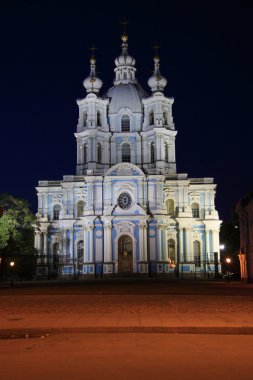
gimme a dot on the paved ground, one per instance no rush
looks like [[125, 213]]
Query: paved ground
[[127, 306], [127, 329], [127, 357]]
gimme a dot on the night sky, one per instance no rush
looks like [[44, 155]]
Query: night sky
[[206, 56]]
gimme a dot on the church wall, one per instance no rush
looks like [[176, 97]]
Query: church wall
[[151, 183]]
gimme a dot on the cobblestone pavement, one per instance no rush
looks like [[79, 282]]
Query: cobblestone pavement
[[126, 304]]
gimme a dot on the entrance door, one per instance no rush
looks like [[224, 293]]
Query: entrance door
[[125, 254]]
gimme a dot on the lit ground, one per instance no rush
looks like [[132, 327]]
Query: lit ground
[[127, 329]]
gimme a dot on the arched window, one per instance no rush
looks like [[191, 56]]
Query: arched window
[[99, 153], [84, 119], [196, 253], [195, 210], [170, 207], [166, 153], [151, 118], [165, 119], [172, 251], [84, 153], [56, 212], [99, 119], [80, 208], [80, 251], [125, 123], [152, 153], [126, 153]]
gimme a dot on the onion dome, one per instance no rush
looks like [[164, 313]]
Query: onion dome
[[124, 70], [157, 82], [124, 59], [92, 83]]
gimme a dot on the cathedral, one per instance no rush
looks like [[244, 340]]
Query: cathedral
[[126, 210]]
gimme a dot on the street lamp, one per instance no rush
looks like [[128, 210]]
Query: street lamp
[[12, 264], [228, 261]]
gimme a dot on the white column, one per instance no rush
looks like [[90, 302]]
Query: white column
[[181, 244], [108, 243], [91, 230], [78, 153], [216, 242], [159, 233], [158, 148], [45, 243], [208, 253], [113, 152], [144, 150], [64, 242], [141, 228], [187, 238], [71, 242], [40, 203], [85, 243], [90, 192], [38, 242], [166, 244], [144, 243]]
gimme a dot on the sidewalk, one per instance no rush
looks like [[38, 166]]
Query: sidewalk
[[34, 312]]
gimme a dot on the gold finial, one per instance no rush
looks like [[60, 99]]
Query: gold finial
[[124, 36]]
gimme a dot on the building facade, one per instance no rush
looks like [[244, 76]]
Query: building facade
[[126, 210], [244, 210]]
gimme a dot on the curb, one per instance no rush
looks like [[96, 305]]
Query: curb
[[22, 333]]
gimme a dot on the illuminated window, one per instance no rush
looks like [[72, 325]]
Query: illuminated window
[[195, 210], [126, 153], [56, 212], [125, 123], [170, 207], [80, 208], [99, 153], [172, 251], [152, 153], [151, 118], [196, 253]]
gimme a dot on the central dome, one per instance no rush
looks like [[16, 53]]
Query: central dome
[[125, 95]]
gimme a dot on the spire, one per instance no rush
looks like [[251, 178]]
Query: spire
[[92, 83], [124, 59], [157, 82], [125, 70]]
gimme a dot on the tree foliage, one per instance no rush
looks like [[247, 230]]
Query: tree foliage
[[16, 225]]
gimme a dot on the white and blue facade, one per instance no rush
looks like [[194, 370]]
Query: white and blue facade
[[126, 210]]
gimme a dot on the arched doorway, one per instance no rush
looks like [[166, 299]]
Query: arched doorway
[[125, 254], [56, 252]]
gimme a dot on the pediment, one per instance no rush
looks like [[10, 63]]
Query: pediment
[[125, 169]]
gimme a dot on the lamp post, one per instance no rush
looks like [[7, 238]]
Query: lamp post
[[12, 264], [228, 261]]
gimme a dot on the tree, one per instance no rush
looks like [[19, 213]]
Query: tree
[[230, 237], [17, 224]]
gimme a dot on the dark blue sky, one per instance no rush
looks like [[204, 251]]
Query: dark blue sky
[[206, 55]]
